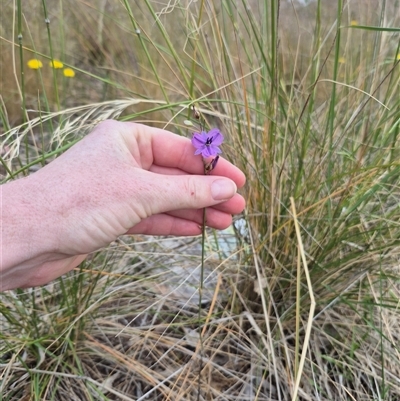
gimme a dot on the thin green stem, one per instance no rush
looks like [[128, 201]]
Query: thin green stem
[[47, 20], [21, 57], [333, 102], [194, 57], [201, 284], [145, 49]]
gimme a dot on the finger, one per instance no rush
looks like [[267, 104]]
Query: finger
[[171, 150], [160, 194], [168, 224], [176, 171], [163, 224], [214, 218], [234, 205], [215, 215]]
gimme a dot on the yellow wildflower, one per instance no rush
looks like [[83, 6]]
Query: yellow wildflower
[[353, 22], [35, 64], [342, 60], [398, 56], [69, 72], [56, 64]]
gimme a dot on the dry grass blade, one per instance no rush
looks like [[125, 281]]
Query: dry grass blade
[[312, 302]]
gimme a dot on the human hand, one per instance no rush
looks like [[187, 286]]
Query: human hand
[[123, 178]]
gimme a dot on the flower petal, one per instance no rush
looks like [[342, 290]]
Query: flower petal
[[199, 139], [206, 152], [217, 137], [215, 150], [210, 151]]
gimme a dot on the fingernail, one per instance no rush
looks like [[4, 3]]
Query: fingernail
[[223, 189]]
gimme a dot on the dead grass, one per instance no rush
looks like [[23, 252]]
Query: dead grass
[[125, 326]]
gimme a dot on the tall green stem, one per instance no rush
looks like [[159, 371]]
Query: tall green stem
[[203, 255], [47, 20]]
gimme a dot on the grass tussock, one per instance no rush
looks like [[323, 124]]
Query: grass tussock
[[301, 297]]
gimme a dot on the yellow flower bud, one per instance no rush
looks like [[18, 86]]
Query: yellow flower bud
[[69, 72], [35, 64], [56, 64]]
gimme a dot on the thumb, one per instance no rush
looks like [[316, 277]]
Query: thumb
[[177, 192]]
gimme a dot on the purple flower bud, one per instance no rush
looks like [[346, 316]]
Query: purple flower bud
[[214, 162]]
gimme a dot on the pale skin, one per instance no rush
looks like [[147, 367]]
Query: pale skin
[[122, 178]]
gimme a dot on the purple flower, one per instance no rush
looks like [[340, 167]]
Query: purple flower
[[207, 143]]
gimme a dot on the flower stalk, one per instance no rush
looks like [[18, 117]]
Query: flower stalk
[[207, 145]]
